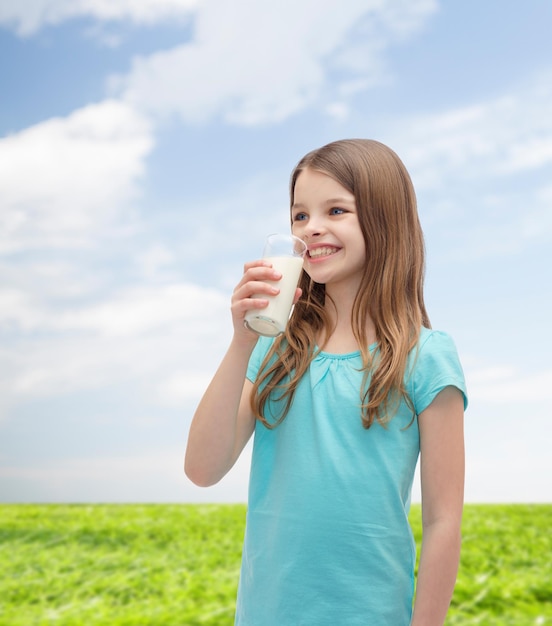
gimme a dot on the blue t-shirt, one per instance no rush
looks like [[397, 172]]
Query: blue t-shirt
[[327, 538]]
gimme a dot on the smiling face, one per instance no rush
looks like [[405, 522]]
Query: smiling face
[[324, 215]]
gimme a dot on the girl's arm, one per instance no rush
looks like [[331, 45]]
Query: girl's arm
[[223, 421], [442, 474]]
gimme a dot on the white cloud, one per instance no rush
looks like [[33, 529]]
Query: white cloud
[[256, 63], [509, 135], [507, 385], [513, 472], [155, 259], [17, 308], [66, 177], [537, 222], [146, 333], [29, 16], [141, 310], [470, 167], [156, 476], [183, 385]]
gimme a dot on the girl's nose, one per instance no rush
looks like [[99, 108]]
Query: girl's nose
[[313, 228]]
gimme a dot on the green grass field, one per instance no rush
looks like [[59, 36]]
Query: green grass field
[[178, 565]]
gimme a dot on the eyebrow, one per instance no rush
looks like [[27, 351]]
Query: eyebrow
[[330, 201]]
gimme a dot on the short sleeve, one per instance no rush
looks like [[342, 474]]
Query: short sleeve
[[257, 356], [435, 365]]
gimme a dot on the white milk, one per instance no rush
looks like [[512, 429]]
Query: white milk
[[272, 320]]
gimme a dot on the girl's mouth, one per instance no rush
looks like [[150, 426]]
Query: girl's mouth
[[317, 253]]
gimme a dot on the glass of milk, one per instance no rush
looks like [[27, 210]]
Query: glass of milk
[[286, 253]]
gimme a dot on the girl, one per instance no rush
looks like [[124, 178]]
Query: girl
[[341, 405]]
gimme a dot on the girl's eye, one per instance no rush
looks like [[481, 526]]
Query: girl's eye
[[299, 217], [337, 211]]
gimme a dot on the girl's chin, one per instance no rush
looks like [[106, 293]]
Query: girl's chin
[[314, 279], [317, 277]]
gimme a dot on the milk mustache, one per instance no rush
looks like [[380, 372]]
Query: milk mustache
[[272, 320]]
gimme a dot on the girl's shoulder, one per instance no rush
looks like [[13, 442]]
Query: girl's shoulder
[[433, 364], [432, 341], [426, 333], [261, 349]]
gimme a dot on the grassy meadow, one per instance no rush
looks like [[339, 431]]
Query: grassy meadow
[[178, 565]]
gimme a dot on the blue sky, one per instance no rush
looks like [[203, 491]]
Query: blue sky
[[145, 150]]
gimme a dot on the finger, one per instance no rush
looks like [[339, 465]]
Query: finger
[[258, 275], [298, 294], [241, 307], [254, 290], [262, 272], [256, 263]]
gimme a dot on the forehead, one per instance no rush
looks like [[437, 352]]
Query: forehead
[[313, 184]]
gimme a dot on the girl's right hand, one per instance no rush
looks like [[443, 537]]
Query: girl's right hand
[[253, 283]]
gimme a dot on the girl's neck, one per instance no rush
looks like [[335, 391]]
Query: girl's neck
[[341, 339], [341, 299]]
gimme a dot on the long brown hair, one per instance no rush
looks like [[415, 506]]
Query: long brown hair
[[391, 289]]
